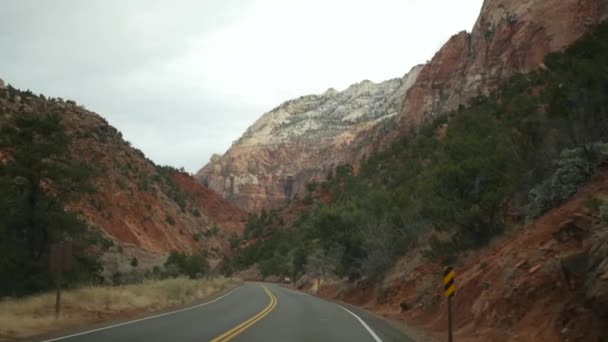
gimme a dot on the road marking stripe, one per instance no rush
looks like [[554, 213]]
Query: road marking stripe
[[245, 327], [142, 319], [230, 334], [248, 323], [371, 332]]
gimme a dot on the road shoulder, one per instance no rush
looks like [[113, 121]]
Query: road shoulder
[[129, 317], [390, 330]]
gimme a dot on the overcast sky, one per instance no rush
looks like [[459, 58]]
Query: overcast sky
[[183, 79]]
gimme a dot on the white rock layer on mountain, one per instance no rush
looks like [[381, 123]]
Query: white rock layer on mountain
[[299, 141]]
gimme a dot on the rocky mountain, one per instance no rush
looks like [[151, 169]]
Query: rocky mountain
[[146, 210], [510, 36], [299, 141], [511, 191], [303, 139]]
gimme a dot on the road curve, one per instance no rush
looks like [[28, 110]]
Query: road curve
[[252, 312]]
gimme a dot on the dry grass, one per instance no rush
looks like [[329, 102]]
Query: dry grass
[[34, 315]]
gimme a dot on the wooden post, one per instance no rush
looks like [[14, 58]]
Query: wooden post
[[450, 338], [61, 256], [58, 281]]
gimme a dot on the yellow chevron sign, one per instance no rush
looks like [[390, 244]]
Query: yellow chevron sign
[[448, 282]]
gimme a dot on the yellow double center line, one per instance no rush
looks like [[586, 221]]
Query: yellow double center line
[[232, 333]]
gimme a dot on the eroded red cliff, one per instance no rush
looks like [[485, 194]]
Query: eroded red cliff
[[509, 37]]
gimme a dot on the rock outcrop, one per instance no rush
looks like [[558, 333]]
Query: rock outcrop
[[299, 141], [510, 36]]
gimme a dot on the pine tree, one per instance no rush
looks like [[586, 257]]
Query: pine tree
[[37, 180]]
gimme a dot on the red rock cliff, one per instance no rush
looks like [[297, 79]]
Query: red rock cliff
[[299, 141], [284, 146], [510, 36]]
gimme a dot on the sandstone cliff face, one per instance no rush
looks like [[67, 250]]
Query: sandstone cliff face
[[299, 141], [145, 209], [302, 139], [510, 36]]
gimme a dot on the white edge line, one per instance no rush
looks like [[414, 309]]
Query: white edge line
[[142, 319], [369, 330]]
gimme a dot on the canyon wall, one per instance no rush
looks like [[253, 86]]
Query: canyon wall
[[299, 141], [509, 37], [303, 139]]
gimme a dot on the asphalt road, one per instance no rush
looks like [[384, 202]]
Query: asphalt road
[[252, 312]]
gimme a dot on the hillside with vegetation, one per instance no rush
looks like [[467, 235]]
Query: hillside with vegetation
[[67, 175], [464, 180]]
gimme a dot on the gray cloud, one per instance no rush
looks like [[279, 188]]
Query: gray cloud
[[183, 79]]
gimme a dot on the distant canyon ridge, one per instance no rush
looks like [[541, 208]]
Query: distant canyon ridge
[[303, 139], [300, 141]]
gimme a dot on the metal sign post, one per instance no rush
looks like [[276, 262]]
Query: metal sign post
[[61, 257], [448, 290]]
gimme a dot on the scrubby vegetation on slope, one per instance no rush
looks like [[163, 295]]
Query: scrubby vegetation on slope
[[66, 174], [461, 179]]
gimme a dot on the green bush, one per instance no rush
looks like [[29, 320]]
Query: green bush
[[193, 266], [277, 265], [213, 231], [170, 220], [447, 250], [312, 186], [234, 240], [573, 168], [592, 203], [604, 213]]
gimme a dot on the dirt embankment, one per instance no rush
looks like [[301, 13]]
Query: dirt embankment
[[546, 281]]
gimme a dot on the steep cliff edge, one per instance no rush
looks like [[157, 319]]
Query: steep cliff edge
[[509, 37], [299, 141]]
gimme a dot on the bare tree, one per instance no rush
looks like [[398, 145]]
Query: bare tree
[[322, 262], [384, 242]]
